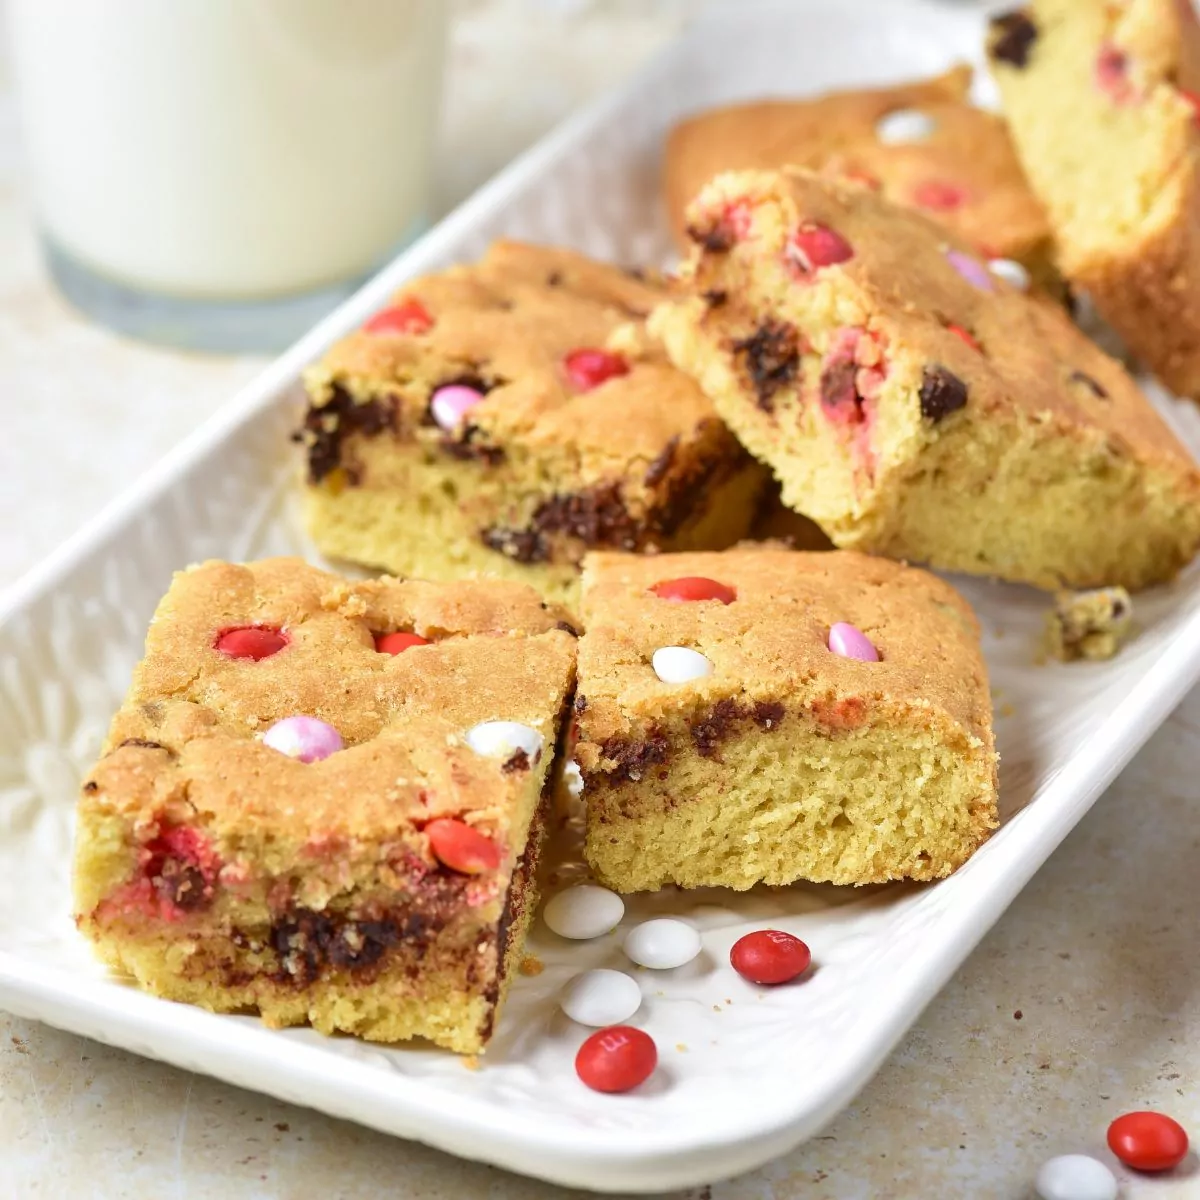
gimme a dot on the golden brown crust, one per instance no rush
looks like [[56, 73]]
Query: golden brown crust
[[836, 134]]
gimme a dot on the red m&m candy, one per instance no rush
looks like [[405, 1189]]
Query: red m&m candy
[[939, 196], [616, 1059], [694, 587], [769, 956], [587, 369], [251, 641], [960, 332], [408, 316], [457, 845], [1148, 1141], [814, 246], [397, 643]]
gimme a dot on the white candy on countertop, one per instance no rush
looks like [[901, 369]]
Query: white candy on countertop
[[601, 998], [662, 943], [904, 125], [502, 739], [679, 664], [582, 912], [1076, 1177]]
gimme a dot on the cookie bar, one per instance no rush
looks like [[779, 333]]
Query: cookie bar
[[768, 715], [323, 800], [501, 418], [920, 144], [1102, 100], [918, 406]]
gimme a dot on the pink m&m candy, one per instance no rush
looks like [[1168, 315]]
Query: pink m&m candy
[[451, 403], [848, 641], [814, 246], [973, 271], [305, 738]]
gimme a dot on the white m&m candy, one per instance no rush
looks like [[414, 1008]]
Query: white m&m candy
[[502, 739], [904, 125], [601, 998], [1076, 1177], [583, 912], [679, 664], [662, 943]]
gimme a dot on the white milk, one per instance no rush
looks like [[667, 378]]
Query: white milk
[[228, 149]]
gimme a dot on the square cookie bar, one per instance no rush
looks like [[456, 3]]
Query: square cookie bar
[[502, 418], [918, 406], [1102, 101], [921, 144], [323, 800], [766, 715]]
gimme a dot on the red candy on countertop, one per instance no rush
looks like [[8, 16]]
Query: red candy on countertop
[[251, 641], [769, 956], [408, 316], [616, 1059], [589, 368], [694, 587], [1148, 1141], [458, 846], [814, 246], [397, 643]]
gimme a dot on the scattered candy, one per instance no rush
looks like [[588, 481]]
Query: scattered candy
[[941, 197], [1010, 271], [601, 998], [814, 246], [253, 641], [965, 336], [769, 956], [616, 1059], [679, 664], [662, 943], [587, 369], [305, 738], [1076, 1177], [583, 912], [408, 316], [502, 739], [458, 846], [694, 587], [448, 405], [851, 642], [1148, 1141], [972, 270], [397, 643], [904, 125]]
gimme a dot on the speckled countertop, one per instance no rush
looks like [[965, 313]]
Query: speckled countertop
[[1082, 1003]]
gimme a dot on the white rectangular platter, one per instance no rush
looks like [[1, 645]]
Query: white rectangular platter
[[761, 1070]]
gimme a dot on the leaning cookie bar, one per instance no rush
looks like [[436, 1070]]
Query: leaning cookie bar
[[916, 405], [323, 800], [502, 418], [1102, 100], [732, 731], [921, 144]]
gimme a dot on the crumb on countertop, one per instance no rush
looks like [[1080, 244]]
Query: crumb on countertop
[[531, 965], [1088, 625]]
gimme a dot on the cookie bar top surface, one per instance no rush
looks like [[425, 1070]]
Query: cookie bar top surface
[[769, 646], [952, 160], [506, 325], [970, 340], [189, 731], [1101, 99]]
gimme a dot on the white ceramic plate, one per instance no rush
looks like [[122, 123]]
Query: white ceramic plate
[[746, 1074]]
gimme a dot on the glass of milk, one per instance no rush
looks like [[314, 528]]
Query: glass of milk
[[219, 173]]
